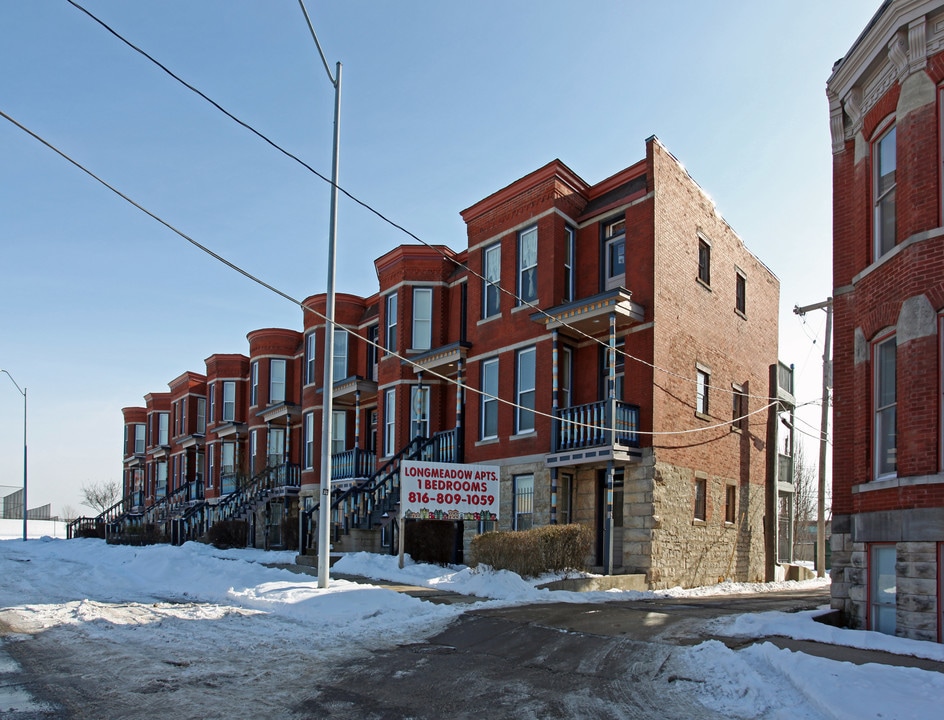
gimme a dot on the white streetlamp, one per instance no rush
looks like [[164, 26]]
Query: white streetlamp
[[22, 392]]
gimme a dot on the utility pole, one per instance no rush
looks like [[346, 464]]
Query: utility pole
[[826, 305]]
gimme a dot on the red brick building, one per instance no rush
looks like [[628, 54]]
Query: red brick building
[[886, 97], [607, 345]]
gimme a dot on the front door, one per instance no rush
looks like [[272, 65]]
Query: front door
[[274, 525], [617, 518]]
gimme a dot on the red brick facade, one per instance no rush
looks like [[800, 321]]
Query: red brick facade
[[554, 271], [888, 488]]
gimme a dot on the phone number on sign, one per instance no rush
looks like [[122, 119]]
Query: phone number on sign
[[451, 499]]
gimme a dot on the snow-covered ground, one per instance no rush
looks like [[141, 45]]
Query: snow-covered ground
[[190, 608]]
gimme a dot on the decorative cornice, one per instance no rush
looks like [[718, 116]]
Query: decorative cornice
[[917, 45], [898, 53]]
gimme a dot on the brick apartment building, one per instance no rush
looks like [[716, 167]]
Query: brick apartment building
[[609, 346], [886, 98]]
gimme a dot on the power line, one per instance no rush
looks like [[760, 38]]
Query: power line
[[305, 308], [384, 218]]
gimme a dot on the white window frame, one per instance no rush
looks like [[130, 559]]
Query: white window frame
[[525, 389], [253, 450], [228, 453], [277, 375], [338, 431], [229, 401], [163, 421], [489, 405], [702, 386], [160, 479], [885, 409], [528, 265], [422, 318], [390, 326], [310, 369], [201, 416], [614, 246], [883, 598], [881, 245], [390, 421], [339, 358], [140, 435], [275, 447], [309, 440], [491, 284], [254, 386], [212, 402]]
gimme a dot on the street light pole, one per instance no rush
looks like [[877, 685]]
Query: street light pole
[[327, 413], [22, 392]]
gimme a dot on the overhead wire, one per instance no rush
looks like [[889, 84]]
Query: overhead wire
[[307, 308], [397, 226]]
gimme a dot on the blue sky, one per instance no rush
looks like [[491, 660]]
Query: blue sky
[[443, 103]]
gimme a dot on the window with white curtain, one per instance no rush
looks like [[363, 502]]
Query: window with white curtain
[[528, 265]]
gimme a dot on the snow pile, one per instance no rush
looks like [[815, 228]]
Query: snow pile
[[216, 617]]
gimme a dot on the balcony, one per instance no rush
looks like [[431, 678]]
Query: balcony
[[595, 432]]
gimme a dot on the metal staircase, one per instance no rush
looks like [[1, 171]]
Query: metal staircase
[[374, 502]]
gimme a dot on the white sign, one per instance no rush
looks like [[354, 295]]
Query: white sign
[[448, 491]]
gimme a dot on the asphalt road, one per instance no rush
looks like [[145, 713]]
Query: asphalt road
[[560, 660]]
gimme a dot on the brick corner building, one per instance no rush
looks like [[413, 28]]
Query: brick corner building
[[607, 346], [886, 98]]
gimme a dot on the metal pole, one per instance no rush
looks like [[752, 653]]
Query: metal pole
[[324, 509]]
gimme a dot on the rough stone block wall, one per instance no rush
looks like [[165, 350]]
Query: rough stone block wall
[[691, 552], [917, 591]]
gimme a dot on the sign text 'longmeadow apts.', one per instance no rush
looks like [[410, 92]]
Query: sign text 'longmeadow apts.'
[[448, 491]]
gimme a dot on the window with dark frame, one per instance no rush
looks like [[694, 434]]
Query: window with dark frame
[[570, 236], [701, 498], [704, 261], [884, 160], [491, 294], [730, 504], [739, 408], [740, 293]]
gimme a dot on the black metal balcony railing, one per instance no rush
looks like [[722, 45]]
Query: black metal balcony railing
[[354, 463], [590, 425], [443, 447]]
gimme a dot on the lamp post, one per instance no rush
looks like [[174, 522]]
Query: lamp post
[[22, 392], [324, 509]]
